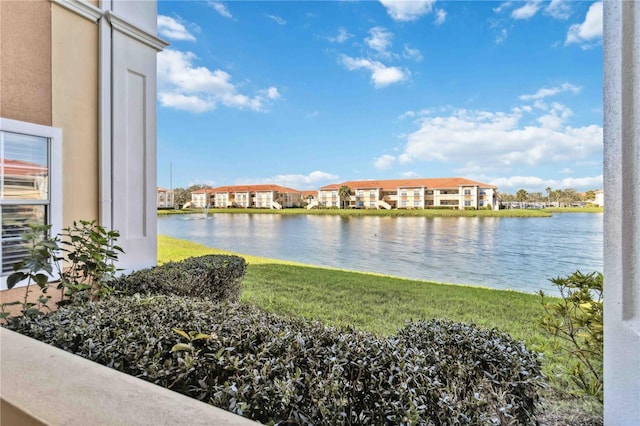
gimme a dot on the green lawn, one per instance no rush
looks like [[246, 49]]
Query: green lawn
[[372, 212], [376, 303], [381, 304], [589, 209]]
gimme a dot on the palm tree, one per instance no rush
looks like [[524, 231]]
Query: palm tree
[[344, 193], [548, 189], [522, 195]]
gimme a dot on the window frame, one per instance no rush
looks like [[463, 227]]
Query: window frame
[[54, 135]]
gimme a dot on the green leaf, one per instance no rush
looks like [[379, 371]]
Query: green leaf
[[15, 278], [181, 347], [200, 336], [182, 333]]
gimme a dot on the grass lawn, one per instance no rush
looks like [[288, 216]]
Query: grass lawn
[[381, 304], [372, 212], [376, 303], [589, 209]]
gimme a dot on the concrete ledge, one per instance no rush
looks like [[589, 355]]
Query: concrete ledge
[[41, 384]]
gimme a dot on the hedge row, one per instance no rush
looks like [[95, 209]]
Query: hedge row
[[293, 371], [215, 277]]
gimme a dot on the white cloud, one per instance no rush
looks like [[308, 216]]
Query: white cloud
[[185, 102], [566, 170], [182, 85], [502, 7], [502, 36], [343, 35], [411, 114], [312, 114], [527, 11], [441, 16], [502, 140], [221, 8], [381, 75], [558, 9], [278, 20], [410, 53], [551, 91], [379, 40], [384, 162], [313, 180], [408, 10], [409, 174], [587, 34], [172, 29]]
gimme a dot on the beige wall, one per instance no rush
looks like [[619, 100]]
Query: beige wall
[[74, 73], [25, 61]]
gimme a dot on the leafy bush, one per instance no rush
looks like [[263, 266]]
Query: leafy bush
[[293, 371], [217, 277], [577, 319], [91, 253], [83, 256]]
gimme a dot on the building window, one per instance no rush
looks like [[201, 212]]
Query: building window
[[429, 202], [430, 192], [372, 204], [30, 186], [467, 192], [403, 192], [416, 203], [467, 203], [403, 203], [416, 192], [360, 192], [481, 203]]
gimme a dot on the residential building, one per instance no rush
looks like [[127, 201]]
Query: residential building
[[78, 122], [419, 193], [267, 196], [599, 199], [201, 198], [165, 198]]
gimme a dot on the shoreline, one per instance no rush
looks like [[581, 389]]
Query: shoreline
[[187, 248], [366, 212]]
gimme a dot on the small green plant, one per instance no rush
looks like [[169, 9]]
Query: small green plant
[[83, 256], [577, 319], [89, 252], [36, 268]]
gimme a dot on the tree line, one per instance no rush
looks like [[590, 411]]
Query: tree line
[[557, 196]]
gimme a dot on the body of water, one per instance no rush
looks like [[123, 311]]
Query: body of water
[[505, 253]]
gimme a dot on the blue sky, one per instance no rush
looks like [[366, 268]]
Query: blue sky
[[307, 93]]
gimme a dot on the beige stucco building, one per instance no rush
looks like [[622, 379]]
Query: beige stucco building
[[78, 121], [267, 196], [427, 193], [165, 198]]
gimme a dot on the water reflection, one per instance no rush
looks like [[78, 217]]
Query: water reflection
[[513, 253]]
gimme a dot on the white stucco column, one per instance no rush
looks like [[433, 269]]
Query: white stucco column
[[622, 212]]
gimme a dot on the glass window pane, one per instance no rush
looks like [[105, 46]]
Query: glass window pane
[[15, 221], [24, 167]]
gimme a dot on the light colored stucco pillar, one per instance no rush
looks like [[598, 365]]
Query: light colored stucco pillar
[[622, 212]]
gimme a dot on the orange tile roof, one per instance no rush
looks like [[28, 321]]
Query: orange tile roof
[[391, 184], [252, 188], [23, 168]]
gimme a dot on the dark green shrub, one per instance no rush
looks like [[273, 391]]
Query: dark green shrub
[[293, 371], [216, 277]]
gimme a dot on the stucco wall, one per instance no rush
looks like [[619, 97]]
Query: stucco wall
[[74, 73], [25, 61]]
